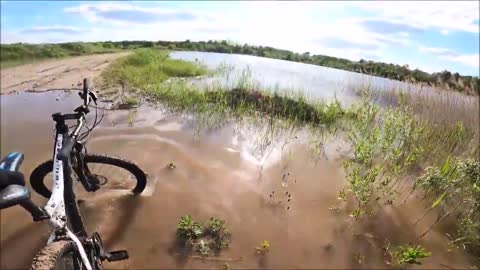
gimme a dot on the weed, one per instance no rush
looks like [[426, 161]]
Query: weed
[[131, 115], [409, 255], [131, 101], [221, 236], [189, 231], [203, 248], [263, 248], [359, 258], [171, 165], [456, 185], [385, 144], [204, 239]]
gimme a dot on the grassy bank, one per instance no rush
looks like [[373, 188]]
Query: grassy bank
[[17, 54], [148, 71], [147, 68], [403, 143]]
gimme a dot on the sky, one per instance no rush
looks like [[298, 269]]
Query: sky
[[431, 36]]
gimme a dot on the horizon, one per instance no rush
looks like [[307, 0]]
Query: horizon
[[432, 38]]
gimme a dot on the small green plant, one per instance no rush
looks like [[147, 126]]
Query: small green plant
[[131, 101], [171, 165], [221, 236], [409, 254], [204, 239], [263, 248], [131, 115], [359, 258], [188, 230]]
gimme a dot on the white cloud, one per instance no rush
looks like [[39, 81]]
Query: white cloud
[[443, 15], [352, 30], [470, 60], [59, 29], [11, 37], [438, 51], [125, 13]]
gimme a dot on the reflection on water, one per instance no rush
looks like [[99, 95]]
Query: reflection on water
[[289, 200], [316, 81]]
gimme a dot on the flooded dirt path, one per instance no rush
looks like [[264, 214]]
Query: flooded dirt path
[[56, 73], [291, 200]]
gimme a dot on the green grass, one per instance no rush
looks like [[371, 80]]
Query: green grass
[[131, 101], [146, 68], [393, 144], [19, 54], [410, 255]]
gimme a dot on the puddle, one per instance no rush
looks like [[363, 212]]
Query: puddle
[[262, 197]]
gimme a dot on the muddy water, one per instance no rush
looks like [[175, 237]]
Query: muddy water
[[214, 176]]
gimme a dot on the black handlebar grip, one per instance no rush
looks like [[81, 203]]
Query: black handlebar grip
[[67, 147], [85, 85]]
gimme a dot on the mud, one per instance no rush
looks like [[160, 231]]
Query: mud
[[289, 200], [55, 74]]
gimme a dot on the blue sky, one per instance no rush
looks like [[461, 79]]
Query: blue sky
[[432, 36]]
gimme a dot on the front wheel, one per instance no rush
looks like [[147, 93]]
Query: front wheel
[[102, 167], [59, 255]]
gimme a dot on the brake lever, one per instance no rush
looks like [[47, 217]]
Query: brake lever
[[93, 96]]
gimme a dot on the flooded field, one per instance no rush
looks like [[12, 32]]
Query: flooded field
[[289, 200]]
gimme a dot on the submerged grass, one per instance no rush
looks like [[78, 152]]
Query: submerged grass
[[402, 142]]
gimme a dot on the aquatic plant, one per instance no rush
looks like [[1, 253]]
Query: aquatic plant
[[263, 248], [214, 236], [409, 254], [188, 231]]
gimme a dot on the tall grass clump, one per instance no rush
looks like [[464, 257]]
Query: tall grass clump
[[385, 146], [147, 68], [400, 150], [453, 120]]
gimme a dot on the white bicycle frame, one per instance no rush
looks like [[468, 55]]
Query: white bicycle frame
[[56, 204]]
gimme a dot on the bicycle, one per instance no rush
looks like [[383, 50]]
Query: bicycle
[[69, 246]]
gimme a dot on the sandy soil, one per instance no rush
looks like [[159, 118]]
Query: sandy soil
[[55, 74]]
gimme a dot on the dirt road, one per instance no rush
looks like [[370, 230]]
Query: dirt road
[[55, 74]]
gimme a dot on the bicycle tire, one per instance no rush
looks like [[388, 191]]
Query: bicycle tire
[[53, 256], [37, 176]]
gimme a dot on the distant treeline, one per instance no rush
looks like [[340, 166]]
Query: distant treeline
[[445, 79]]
